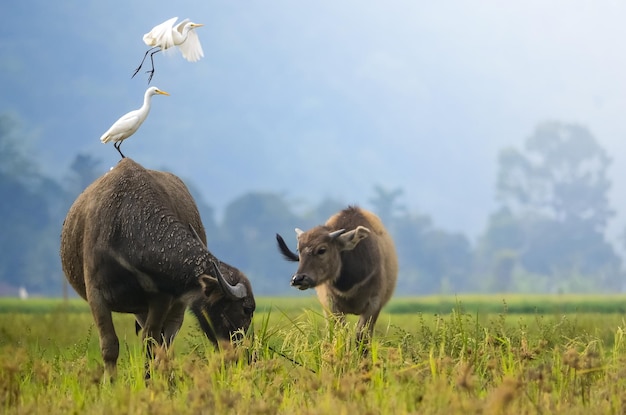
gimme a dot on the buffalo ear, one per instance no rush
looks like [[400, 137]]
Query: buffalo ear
[[210, 286], [351, 239]]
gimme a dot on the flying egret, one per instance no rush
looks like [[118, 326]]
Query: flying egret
[[130, 122], [166, 36]]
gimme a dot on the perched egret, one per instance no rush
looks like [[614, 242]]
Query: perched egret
[[166, 36], [130, 122]]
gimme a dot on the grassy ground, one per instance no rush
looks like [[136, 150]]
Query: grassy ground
[[492, 304], [482, 355]]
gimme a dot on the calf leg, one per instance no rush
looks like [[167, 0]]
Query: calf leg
[[329, 306], [335, 318], [365, 329]]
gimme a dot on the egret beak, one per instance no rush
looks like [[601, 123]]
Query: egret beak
[[197, 24], [158, 91]]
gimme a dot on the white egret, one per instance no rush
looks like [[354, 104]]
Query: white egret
[[130, 122], [165, 36]]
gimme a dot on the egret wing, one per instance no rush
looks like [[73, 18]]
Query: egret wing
[[161, 35], [179, 26], [191, 48], [122, 128]]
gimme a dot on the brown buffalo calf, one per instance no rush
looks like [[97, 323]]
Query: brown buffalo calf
[[351, 262]]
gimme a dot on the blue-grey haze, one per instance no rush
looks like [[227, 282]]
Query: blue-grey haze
[[322, 99]]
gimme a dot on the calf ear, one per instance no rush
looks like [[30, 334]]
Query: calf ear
[[351, 239]]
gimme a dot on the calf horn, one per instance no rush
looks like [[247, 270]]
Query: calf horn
[[236, 291], [334, 234]]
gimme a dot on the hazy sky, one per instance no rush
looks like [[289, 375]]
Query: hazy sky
[[324, 98]]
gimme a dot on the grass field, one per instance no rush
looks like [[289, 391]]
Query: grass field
[[465, 354]]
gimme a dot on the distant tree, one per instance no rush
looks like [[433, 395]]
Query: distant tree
[[43, 268], [84, 170], [386, 204], [207, 214], [555, 209], [248, 239], [29, 207], [497, 251], [13, 159], [24, 214], [561, 174], [503, 268], [319, 214], [505, 231], [431, 260]]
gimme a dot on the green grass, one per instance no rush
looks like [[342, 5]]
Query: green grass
[[472, 303], [465, 354]]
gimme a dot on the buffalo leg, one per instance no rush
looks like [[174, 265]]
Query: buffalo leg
[[109, 343], [171, 326], [153, 329], [140, 322], [173, 322]]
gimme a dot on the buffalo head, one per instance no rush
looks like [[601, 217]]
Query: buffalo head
[[227, 306]]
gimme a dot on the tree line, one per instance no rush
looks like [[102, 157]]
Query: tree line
[[548, 233]]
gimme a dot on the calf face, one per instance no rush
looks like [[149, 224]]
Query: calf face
[[320, 254]]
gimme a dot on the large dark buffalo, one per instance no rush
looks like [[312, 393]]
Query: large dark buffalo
[[129, 245], [351, 262]]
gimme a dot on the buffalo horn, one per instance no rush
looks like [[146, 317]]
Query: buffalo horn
[[236, 291]]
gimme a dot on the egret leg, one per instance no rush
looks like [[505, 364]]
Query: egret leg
[[151, 72], [142, 61], [117, 147], [141, 64]]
